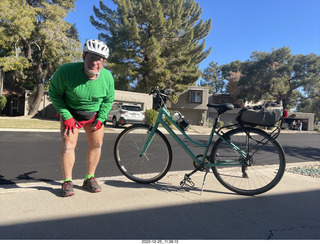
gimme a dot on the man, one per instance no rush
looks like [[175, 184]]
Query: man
[[82, 93]]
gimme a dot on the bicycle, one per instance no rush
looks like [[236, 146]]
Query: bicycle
[[245, 160]]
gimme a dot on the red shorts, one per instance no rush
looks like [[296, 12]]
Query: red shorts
[[82, 123]]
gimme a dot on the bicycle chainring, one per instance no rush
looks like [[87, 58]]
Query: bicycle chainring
[[202, 168]]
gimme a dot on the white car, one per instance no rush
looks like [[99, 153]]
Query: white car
[[317, 125], [121, 114]]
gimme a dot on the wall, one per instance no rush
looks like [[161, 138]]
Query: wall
[[143, 99], [45, 110]]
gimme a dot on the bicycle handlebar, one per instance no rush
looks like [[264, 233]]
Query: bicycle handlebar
[[164, 92], [161, 95]]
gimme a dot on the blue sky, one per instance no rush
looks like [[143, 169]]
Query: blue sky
[[239, 27]]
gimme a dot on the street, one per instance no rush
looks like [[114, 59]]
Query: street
[[34, 156]]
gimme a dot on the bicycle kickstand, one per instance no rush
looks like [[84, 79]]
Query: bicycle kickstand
[[204, 179]]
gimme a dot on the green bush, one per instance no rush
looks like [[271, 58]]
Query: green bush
[[167, 120], [230, 125], [3, 102], [220, 124], [150, 116]]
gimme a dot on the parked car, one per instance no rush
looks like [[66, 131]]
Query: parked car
[[121, 114], [317, 124]]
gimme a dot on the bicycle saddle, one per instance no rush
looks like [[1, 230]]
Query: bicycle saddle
[[221, 108]]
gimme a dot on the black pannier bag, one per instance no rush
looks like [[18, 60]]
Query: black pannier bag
[[266, 115]]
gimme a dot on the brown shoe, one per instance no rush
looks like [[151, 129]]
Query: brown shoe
[[91, 185]]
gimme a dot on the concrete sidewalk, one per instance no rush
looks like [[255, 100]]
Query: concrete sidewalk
[[161, 211]]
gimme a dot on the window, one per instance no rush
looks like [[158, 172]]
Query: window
[[14, 106], [195, 97], [131, 108]]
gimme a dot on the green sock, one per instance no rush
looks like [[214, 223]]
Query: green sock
[[88, 177], [67, 180]]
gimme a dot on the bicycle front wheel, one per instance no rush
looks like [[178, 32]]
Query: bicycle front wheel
[[260, 171], [152, 165]]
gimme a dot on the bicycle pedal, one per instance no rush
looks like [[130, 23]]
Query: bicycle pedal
[[245, 175], [187, 182]]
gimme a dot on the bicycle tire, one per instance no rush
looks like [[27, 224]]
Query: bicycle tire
[[267, 163], [152, 165]]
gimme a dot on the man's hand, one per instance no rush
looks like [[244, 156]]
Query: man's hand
[[96, 125], [69, 125]]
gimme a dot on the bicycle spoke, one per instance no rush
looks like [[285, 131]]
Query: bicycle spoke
[[152, 165], [260, 173]]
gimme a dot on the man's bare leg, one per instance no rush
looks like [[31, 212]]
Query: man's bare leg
[[95, 139], [67, 154]]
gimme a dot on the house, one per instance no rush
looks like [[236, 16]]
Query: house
[[229, 117], [307, 120], [14, 95], [136, 98], [192, 104]]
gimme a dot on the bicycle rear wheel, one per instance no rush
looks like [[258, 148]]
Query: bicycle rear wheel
[[266, 162], [152, 165]]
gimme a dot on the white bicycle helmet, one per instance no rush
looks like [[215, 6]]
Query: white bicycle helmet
[[96, 47]]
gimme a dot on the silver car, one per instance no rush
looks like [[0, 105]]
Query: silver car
[[121, 114]]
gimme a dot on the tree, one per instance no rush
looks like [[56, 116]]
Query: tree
[[310, 102], [232, 73], [276, 75], [212, 77], [153, 42], [35, 39], [3, 102]]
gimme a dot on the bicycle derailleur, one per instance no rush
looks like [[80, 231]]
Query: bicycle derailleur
[[245, 164]]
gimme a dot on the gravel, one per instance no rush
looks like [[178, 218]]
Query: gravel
[[307, 170]]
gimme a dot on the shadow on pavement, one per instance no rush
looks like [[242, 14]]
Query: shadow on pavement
[[24, 178], [286, 216], [8, 184]]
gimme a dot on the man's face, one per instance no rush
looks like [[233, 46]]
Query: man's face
[[93, 63]]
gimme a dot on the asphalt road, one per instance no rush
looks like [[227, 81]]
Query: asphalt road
[[34, 156]]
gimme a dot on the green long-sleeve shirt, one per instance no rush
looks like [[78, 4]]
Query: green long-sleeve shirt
[[69, 87]]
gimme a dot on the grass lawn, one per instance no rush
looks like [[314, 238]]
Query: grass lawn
[[28, 123]]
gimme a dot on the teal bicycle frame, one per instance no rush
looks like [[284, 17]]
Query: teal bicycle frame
[[164, 113]]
